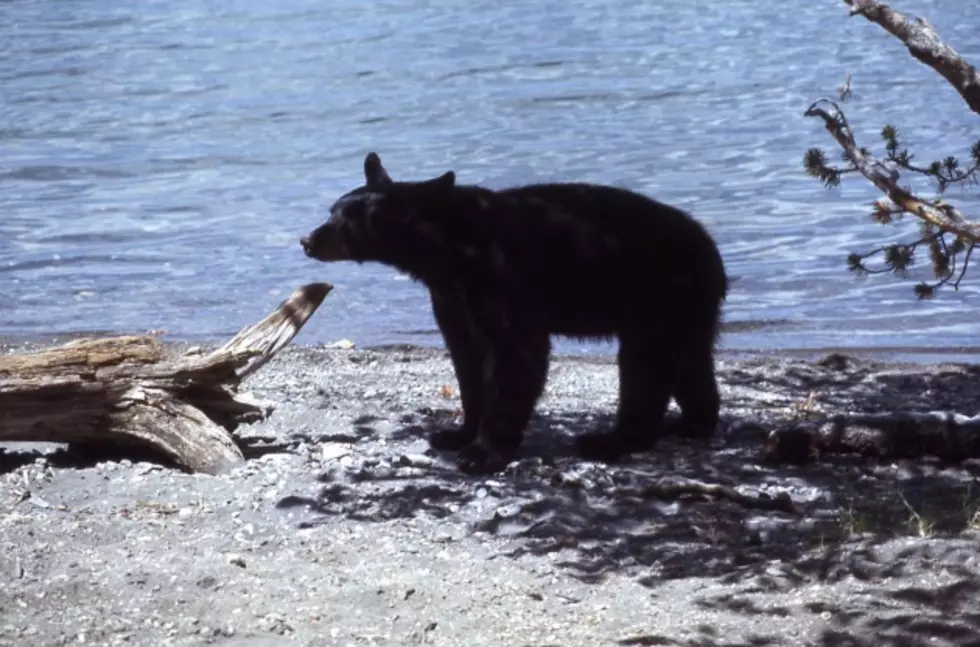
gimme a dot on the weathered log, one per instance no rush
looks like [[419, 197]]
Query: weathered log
[[948, 436], [129, 390]]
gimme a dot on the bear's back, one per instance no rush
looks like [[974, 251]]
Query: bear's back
[[610, 226], [608, 209], [592, 250]]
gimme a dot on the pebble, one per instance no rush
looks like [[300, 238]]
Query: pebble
[[333, 451], [415, 460]]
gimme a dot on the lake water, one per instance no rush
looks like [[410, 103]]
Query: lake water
[[159, 160]]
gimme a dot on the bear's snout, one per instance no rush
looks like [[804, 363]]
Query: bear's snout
[[325, 245], [313, 246]]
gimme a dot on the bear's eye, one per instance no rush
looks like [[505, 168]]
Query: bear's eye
[[357, 206], [374, 204]]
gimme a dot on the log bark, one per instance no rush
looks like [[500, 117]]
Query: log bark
[[947, 436], [130, 391], [926, 46]]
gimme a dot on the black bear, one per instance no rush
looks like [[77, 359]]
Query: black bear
[[506, 269]]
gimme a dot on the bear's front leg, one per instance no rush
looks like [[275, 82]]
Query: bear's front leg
[[466, 353], [516, 372]]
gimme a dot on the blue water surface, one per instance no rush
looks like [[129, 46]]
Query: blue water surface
[[159, 160]]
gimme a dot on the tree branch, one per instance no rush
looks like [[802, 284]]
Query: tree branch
[[944, 216], [925, 45]]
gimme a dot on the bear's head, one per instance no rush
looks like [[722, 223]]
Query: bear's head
[[396, 223]]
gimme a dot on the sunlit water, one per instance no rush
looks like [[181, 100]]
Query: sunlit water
[[159, 160]]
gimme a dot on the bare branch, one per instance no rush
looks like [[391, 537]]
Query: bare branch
[[925, 45], [844, 91], [945, 217], [966, 263]]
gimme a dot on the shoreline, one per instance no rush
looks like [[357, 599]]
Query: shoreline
[[918, 355], [341, 528]]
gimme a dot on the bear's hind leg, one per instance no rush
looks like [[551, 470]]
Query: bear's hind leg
[[467, 357], [644, 393], [516, 373], [695, 389]]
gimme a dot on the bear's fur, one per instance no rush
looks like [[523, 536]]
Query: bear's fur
[[507, 269]]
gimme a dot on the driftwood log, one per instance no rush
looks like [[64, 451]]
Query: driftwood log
[[131, 391], [948, 436]]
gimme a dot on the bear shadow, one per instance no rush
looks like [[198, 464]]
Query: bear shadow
[[595, 521]]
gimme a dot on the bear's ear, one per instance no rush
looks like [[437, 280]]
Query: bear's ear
[[374, 173], [446, 181]]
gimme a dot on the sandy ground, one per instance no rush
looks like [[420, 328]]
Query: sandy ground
[[341, 529]]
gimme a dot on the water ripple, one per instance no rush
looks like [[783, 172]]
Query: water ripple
[[159, 160]]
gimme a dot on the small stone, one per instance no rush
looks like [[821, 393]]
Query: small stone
[[509, 510], [38, 501], [415, 460], [333, 451], [207, 582]]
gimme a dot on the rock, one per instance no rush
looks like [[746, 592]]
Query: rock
[[333, 451], [414, 460]]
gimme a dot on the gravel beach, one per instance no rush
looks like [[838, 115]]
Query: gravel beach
[[343, 529]]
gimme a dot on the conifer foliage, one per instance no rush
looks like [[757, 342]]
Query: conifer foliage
[[946, 235]]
